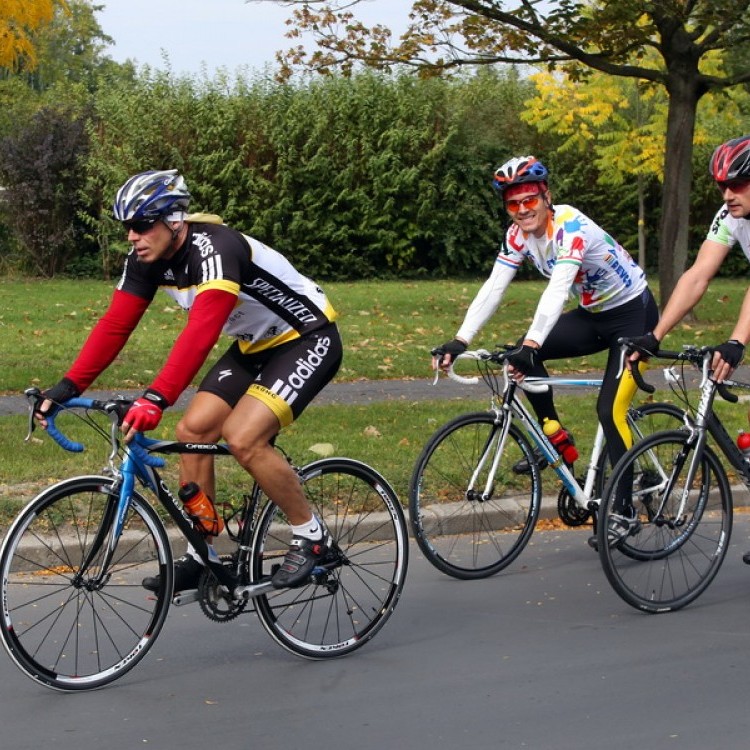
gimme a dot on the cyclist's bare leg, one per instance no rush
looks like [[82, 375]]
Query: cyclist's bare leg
[[249, 430], [201, 423]]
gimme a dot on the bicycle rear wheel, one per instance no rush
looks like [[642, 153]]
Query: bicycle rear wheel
[[72, 628], [675, 548], [354, 592], [461, 532]]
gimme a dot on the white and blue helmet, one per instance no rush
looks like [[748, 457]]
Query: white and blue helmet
[[156, 194]]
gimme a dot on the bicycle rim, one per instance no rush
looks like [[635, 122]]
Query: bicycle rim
[[676, 549], [78, 630], [466, 533], [343, 607]]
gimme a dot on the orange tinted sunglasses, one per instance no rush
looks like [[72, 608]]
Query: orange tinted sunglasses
[[514, 206]]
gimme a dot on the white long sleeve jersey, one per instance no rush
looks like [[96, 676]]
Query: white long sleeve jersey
[[577, 256]]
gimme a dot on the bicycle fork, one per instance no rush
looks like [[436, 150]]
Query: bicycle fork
[[494, 446]]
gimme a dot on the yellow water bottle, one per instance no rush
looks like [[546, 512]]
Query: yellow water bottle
[[560, 438]]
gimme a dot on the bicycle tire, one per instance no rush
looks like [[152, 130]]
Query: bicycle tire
[[460, 534], [342, 608], [75, 634], [670, 560], [647, 420]]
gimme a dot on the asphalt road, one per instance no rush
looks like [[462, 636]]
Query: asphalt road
[[543, 656], [360, 392]]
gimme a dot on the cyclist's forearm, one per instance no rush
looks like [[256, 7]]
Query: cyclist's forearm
[[686, 295], [485, 303]]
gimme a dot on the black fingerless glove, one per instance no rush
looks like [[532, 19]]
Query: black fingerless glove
[[731, 352], [60, 393], [524, 359], [453, 348], [646, 345]]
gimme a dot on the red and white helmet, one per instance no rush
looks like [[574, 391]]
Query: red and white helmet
[[731, 160]]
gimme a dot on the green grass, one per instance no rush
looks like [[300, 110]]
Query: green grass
[[388, 329]]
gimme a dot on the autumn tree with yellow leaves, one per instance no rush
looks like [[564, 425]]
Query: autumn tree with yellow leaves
[[665, 43], [619, 124], [18, 20]]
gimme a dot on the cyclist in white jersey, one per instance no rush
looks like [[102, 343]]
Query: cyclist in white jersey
[[579, 258], [730, 168], [286, 348]]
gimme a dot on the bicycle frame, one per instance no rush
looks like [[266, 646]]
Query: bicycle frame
[[510, 407], [140, 463], [707, 423]]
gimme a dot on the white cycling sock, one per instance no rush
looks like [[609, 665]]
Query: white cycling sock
[[191, 552], [309, 530]]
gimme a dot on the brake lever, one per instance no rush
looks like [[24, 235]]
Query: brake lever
[[34, 397]]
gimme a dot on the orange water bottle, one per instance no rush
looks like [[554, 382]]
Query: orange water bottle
[[199, 507], [560, 438]]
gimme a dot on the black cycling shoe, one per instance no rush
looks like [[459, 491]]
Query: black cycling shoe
[[187, 573], [523, 467], [746, 558], [619, 527], [300, 560]]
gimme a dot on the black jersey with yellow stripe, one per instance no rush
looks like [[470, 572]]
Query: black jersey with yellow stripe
[[275, 302]]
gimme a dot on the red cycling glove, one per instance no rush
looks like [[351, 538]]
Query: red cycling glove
[[145, 413]]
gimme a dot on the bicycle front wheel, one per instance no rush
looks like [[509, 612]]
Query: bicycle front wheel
[[681, 533], [464, 530], [644, 420], [66, 622], [355, 590]]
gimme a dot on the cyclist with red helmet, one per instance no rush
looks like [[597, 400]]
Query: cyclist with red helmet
[[730, 168], [286, 348], [578, 258]]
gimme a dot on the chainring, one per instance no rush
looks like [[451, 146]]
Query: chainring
[[215, 601], [571, 514]]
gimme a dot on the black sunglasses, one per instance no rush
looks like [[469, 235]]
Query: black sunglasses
[[139, 226]]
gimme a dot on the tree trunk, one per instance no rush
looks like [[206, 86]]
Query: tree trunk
[[678, 174], [641, 221]]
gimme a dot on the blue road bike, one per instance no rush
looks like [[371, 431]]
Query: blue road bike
[[75, 616]]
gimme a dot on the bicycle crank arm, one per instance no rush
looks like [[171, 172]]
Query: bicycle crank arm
[[185, 597], [253, 590]]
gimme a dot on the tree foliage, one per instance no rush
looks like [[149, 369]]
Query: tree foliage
[[18, 21], [41, 169], [350, 177], [666, 43]]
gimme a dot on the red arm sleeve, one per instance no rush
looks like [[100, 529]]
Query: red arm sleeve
[[207, 317], [107, 338]]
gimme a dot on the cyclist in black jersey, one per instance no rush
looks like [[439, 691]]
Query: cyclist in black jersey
[[286, 348]]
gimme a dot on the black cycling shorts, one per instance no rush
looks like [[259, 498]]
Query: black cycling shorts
[[286, 378]]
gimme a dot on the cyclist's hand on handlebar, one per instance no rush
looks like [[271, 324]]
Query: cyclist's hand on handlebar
[[443, 355], [523, 360], [641, 347], [145, 414], [53, 397], [726, 358]]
